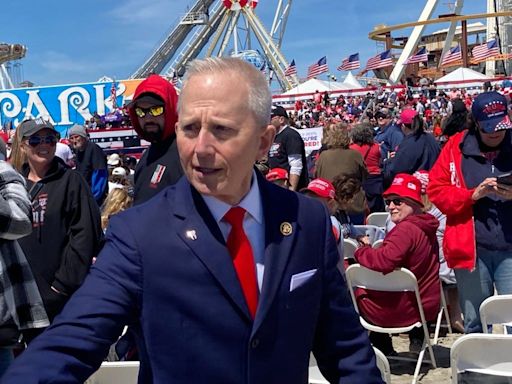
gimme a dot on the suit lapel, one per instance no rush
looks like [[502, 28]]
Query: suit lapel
[[200, 232], [279, 218]]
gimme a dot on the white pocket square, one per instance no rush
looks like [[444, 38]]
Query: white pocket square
[[300, 278]]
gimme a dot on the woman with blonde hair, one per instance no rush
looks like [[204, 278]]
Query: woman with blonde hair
[[117, 201]]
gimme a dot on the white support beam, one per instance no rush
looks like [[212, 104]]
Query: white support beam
[[412, 42], [451, 31]]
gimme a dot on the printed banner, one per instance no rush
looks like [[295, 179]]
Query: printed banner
[[63, 105], [312, 138]]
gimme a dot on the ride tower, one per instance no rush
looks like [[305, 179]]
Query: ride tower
[[8, 53], [223, 28]]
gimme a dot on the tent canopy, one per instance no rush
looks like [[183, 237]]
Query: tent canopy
[[313, 85], [462, 74], [351, 82]]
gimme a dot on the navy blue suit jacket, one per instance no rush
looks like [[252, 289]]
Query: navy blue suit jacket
[[194, 325]]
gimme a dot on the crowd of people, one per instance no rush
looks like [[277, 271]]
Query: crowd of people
[[225, 239]]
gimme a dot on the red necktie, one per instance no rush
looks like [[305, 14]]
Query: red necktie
[[243, 259]]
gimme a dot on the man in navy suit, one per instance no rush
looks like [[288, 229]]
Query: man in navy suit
[[169, 265]]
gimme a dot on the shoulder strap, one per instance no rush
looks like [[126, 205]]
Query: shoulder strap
[[34, 191]]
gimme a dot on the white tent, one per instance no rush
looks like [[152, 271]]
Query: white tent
[[351, 82], [313, 85], [462, 78]]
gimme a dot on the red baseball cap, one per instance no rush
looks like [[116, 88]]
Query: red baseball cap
[[277, 174], [407, 116], [320, 187], [406, 186]]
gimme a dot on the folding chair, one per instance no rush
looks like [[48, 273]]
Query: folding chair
[[118, 372], [443, 310], [481, 353], [496, 309], [372, 231], [400, 280], [378, 243], [349, 248], [378, 219], [316, 377]]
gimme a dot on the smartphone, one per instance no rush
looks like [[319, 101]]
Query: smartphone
[[505, 179]]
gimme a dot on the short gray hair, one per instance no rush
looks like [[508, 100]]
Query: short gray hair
[[259, 96]]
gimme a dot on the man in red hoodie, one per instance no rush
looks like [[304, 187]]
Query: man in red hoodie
[[153, 113]]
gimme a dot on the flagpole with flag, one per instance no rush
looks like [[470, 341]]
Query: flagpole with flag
[[350, 63], [453, 56], [291, 70], [318, 68], [418, 57], [485, 51], [381, 60]]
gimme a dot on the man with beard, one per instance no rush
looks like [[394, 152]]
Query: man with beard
[[153, 115]]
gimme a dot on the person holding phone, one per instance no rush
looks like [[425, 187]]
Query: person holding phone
[[466, 185]]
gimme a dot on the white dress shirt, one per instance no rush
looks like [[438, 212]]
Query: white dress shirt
[[254, 223]]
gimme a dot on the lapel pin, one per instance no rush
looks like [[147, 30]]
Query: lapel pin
[[286, 228], [191, 234]]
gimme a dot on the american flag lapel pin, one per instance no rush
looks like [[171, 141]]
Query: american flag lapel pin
[[191, 234]]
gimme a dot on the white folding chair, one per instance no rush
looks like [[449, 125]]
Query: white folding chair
[[443, 310], [378, 243], [316, 377], [349, 248], [118, 372], [400, 280], [378, 219], [482, 353], [372, 231], [496, 309]]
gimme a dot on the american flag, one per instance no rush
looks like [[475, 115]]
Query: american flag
[[418, 57], [350, 63], [453, 55], [381, 60], [486, 50], [174, 80], [291, 70], [319, 67]]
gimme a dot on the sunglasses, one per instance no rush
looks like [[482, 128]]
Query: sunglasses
[[396, 201], [34, 141], [153, 111]]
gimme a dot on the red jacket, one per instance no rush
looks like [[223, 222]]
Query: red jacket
[[164, 89], [411, 244], [447, 190]]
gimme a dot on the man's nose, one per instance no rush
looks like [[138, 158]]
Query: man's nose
[[204, 143]]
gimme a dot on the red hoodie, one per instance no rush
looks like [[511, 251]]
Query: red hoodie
[[411, 244], [165, 90]]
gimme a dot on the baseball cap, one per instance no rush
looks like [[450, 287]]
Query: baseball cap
[[277, 174], [148, 97], [489, 109], [407, 186], [78, 130], [114, 159], [407, 116], [119, 171], [277, 110], [29, 127], [383, 112], [423, 177], [320, 187]]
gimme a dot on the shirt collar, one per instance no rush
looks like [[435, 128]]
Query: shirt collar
[[251, 203]]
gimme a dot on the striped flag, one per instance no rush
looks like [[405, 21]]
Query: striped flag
[[113, 95], [350, 63], [452, 56], [486, 50], [291, 70], [381, 60], [419, 57], [318, 68], [174, 80]]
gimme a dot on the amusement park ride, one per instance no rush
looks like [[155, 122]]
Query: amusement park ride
[[211, 27], [8, 53]]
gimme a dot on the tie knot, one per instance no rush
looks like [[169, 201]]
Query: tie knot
[[235, 217]]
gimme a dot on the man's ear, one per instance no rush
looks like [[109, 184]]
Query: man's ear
[[266, 139]]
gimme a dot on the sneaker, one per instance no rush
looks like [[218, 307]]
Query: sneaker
[[415, 345]]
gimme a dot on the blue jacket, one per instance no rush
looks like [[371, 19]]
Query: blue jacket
[[193, 323], [389, 140], [413, 154]]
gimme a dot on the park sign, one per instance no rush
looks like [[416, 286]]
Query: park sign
[[64, 105]]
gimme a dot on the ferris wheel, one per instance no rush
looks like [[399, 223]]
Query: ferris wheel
[[8, 53], [220, 28]]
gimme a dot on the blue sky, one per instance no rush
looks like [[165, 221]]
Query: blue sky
[[81, 41]]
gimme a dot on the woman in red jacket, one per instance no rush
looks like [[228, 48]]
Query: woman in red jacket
[[411, 244], [464, 185]]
